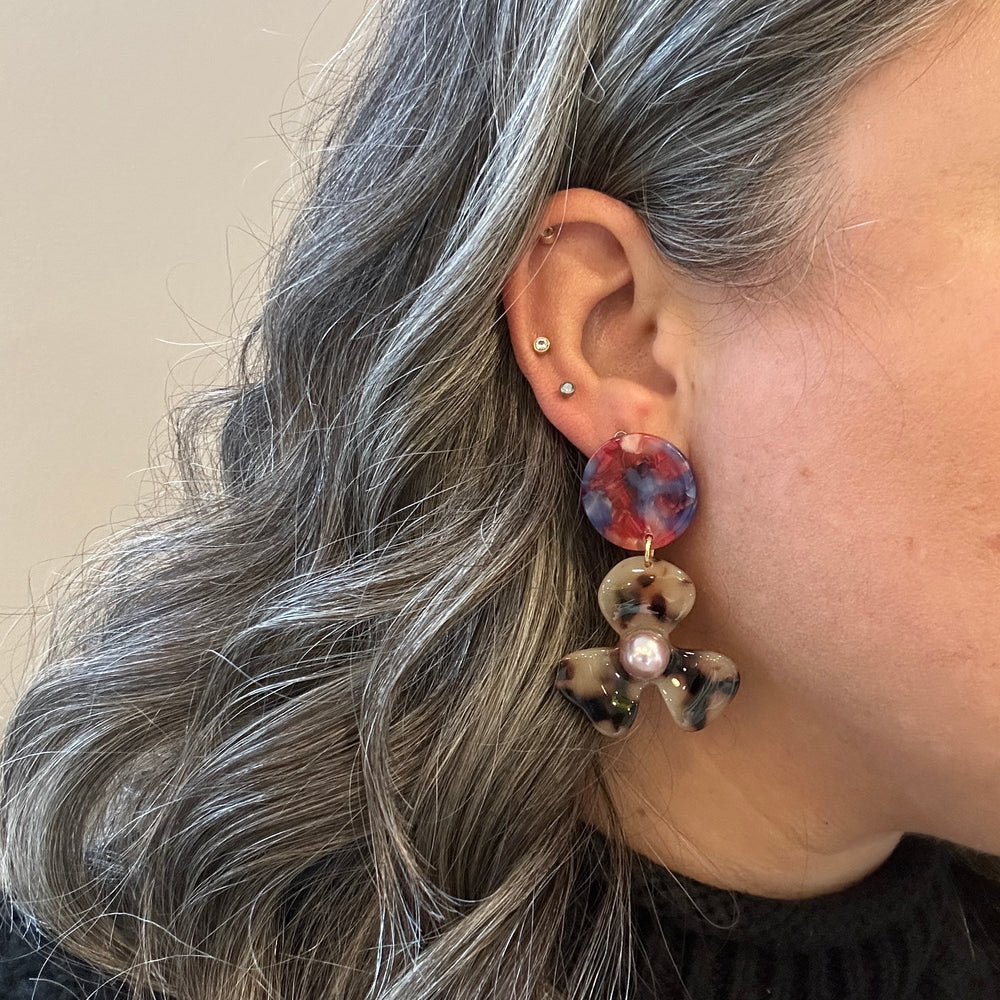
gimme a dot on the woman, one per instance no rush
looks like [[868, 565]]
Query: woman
[[300, 738]]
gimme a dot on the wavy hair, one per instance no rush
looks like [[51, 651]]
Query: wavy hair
[[296, 739]]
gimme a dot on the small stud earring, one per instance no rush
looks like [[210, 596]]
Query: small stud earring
[[548, 235], [567, 388], [541, 345]]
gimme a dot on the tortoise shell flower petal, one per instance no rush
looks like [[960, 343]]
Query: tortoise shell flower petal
[[643, 604]]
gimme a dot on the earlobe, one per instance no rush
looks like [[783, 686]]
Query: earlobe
[[585, 306]]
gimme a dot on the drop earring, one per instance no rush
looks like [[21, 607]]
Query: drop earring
[[639, 492]]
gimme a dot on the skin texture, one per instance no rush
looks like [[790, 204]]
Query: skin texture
[[846, 438]]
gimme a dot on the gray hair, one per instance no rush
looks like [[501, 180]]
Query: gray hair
[[297, 738]]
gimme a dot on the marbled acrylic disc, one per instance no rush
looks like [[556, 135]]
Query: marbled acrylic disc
[[637, 485]]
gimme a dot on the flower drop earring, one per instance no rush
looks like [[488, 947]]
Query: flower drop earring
[[639, 492]]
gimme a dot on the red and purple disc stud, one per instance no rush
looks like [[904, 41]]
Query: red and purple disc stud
[[637, 485]]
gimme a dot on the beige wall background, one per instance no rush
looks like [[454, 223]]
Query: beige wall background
[[141, 156]]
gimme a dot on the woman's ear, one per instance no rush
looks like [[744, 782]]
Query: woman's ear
[[594, 286]]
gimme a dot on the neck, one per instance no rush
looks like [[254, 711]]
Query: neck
[[777, 809]]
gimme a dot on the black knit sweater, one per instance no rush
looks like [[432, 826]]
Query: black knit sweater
[[922, 927]]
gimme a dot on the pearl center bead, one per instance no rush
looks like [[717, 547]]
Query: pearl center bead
[[644, 655]]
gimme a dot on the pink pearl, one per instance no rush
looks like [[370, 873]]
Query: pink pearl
[[644, 655]]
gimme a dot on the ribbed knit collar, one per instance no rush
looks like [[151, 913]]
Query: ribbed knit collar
[[897, 934]]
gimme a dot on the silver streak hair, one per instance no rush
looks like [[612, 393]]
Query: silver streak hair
[[297, 739]]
